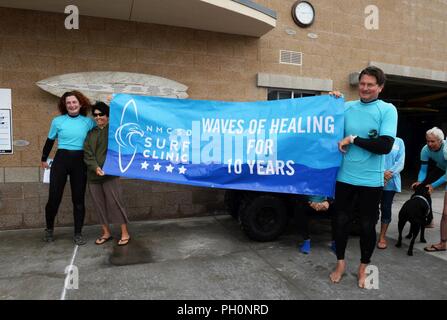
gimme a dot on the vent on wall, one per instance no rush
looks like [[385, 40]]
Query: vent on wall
[[291, 57]]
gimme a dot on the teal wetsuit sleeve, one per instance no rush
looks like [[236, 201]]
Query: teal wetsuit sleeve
[[400, 159], [425, 156], [52, 134], [439, 182], [388, 126], [424, 164], [422, 172]]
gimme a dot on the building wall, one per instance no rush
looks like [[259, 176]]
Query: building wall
[[35, 45]]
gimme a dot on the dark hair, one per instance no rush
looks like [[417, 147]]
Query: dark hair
[[374, 72], [101, 106], [83, 101]]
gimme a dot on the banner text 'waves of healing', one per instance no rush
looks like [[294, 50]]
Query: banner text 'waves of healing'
[[287, 146]]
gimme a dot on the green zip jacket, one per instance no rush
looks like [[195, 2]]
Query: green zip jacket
[[95, 149]]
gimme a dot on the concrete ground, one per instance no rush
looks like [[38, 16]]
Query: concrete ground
[[210, 258]]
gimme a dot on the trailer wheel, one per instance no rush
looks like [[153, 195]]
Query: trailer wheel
[[263, 218]]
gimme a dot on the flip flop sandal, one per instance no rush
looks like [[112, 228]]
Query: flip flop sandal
[[102, 240], [432, 248], [382, 245], [123, 242]]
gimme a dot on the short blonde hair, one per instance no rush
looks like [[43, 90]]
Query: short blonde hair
[[436, 132]]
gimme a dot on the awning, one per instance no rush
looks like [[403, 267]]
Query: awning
[[243, 17]]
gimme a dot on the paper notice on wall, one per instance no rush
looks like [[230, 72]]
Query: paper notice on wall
[[5, 131], [47, 172], [5, 122], [46, 176]]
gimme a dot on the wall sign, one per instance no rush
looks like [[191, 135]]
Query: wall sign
[[5, 122]]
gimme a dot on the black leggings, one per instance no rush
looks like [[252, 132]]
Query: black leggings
[[67, 163], [366, 199]]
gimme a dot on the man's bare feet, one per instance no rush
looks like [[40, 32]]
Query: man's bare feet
[[362, 275], [339, 271]]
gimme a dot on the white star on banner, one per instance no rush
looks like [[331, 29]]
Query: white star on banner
[[144, 165], [182, 170], [157, 167], [169, 168]]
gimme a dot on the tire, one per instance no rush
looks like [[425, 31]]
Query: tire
[[263, 218], [232, 201]]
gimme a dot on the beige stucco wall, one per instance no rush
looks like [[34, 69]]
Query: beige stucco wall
[[35, 45]]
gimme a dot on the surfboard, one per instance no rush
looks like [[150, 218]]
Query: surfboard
[[99, 85]]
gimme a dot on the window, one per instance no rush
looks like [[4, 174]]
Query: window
[[277, 94]]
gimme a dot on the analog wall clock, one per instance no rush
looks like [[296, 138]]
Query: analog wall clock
[[303, 13]]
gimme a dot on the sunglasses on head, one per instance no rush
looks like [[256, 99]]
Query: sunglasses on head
[[101, 114]]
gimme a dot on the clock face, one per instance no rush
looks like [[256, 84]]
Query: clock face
[[303, 13]]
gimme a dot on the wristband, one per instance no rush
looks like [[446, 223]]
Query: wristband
[[351, 138]]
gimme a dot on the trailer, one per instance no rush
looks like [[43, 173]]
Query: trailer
[[263, 216]]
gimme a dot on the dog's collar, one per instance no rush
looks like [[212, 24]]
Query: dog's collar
[[426, 202]]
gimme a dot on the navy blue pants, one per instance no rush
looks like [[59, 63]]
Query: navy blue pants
[[386, 204]]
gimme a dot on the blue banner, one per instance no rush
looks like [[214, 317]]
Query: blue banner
[[287, 146]]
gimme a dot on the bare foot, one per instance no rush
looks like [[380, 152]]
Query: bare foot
[[339, 271], [362, 275]]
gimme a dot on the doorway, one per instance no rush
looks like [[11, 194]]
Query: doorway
[[421, 105]]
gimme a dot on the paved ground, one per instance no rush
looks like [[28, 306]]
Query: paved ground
[[210, 258]]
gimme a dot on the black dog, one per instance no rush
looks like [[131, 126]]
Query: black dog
[[417, 210]]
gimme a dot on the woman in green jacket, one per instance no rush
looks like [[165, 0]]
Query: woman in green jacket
[[104, 189]]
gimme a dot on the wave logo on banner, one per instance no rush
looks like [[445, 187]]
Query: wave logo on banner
[[125, 133], [287, 146]]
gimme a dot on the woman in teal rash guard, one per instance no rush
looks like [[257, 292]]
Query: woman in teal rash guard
[[70, 129], [394, 164]]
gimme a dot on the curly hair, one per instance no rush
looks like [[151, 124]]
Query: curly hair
[[83, 101]]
